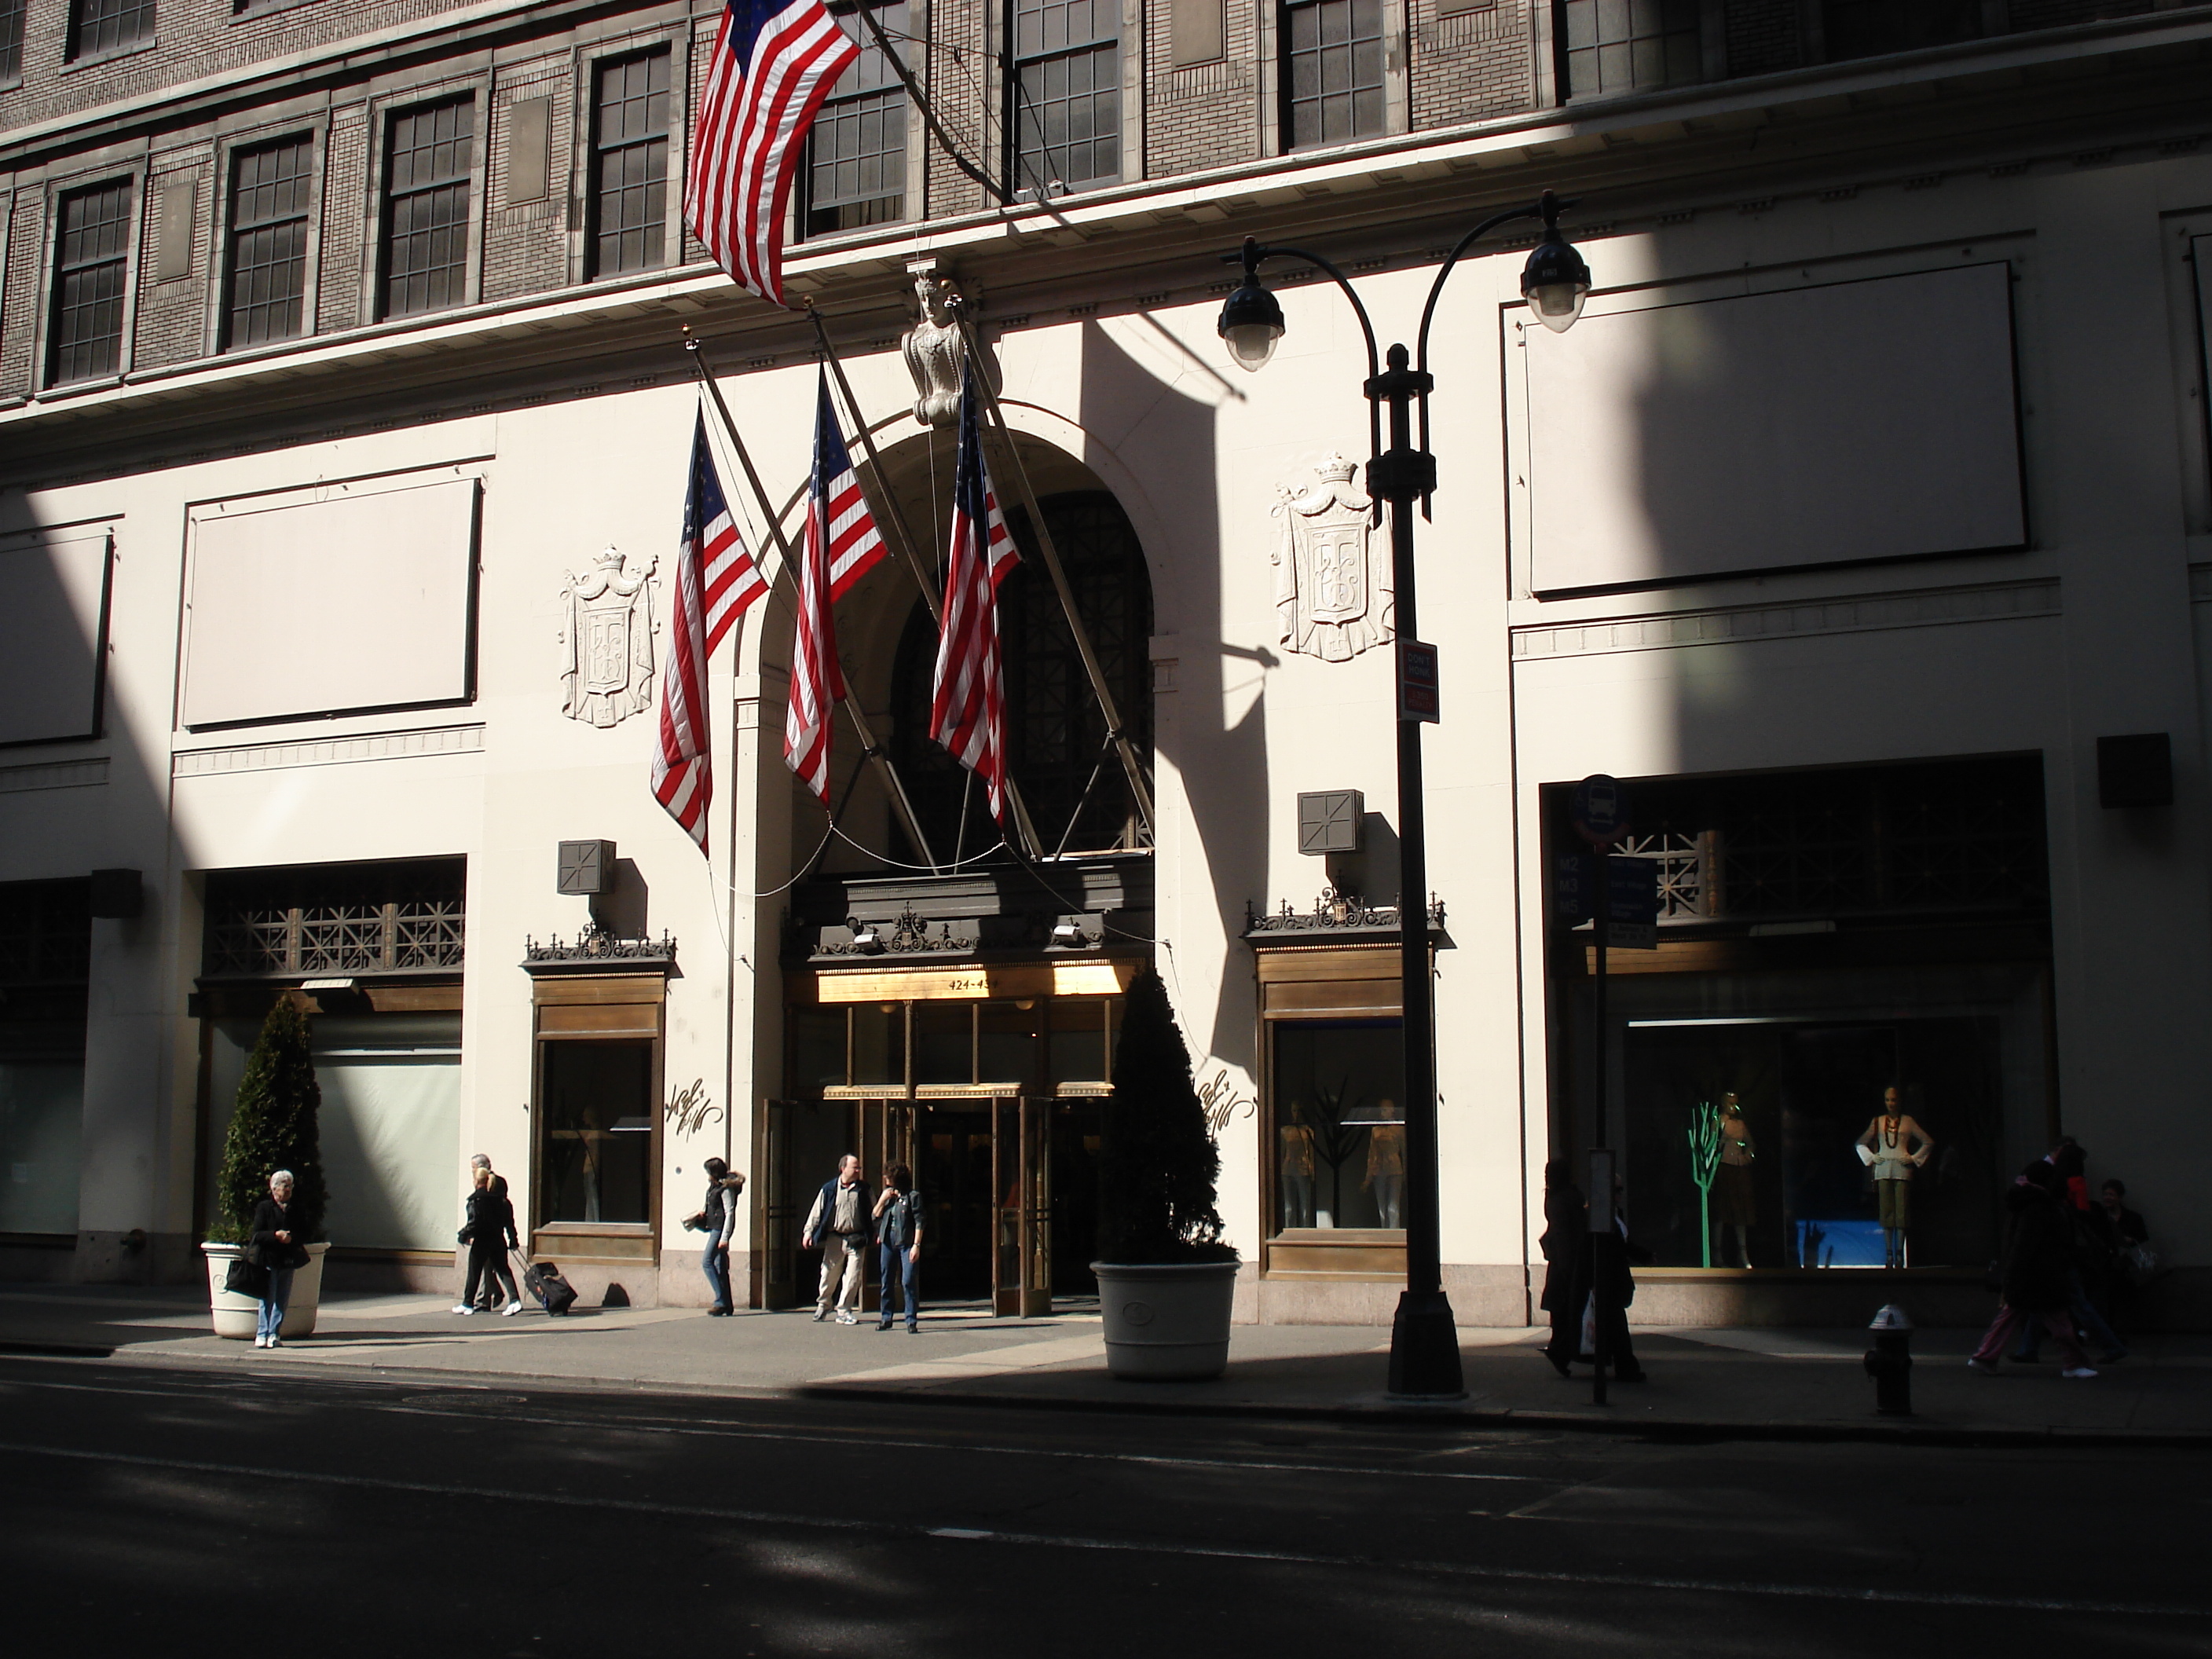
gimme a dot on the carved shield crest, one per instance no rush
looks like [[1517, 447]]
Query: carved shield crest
[[607, 661], [1329, 600]]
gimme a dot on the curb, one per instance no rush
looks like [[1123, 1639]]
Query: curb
[[1377, 1413], [1684, 1430]]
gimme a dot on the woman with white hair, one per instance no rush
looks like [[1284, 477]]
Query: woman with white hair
[[276, 1244]]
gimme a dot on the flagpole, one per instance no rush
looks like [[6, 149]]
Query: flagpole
[[1130, 764], [870, 750], [1032, 846]]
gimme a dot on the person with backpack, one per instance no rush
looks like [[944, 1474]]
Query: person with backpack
[[718, 1220], [490, 1234], [898, 1215]]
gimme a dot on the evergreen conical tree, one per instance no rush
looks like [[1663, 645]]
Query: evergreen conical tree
[[274, 1127], [1158, 1164]]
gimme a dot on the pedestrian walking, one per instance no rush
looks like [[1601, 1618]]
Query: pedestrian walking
[[898, 1217], [1599, 1292], [718, 1220], [2032, 1272], [1563, 1241], [2088, 1272], [839, 1223], [490, 1234], [276, 1247]]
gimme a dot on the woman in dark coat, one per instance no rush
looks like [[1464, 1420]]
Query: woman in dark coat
[[1564, 1243], [490, 1235], [276, 1245], [2034, 1271]]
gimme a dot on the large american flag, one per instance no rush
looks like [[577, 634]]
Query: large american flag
[[842, 546], [968, 713], [717, 581], [774, 62]]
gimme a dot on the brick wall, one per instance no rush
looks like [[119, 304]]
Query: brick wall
[[1472, 64], [19, 303], [1203, 115], [345, 190], [962, 91], [172, 315], [526, 248], [1762, 36]]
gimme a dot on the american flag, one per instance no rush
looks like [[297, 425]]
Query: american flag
[[774, 62], [716, 583], [967, 714], [841, 547]]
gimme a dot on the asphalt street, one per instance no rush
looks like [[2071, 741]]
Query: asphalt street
[[150, 1510]]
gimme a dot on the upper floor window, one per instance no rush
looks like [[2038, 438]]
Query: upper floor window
[[856, 156], [11, 40], [1065, 94], [98, 26], [1630, 46], [1332, 71], [92, 255], [265, 281], [1864, 28], [426, 207], [629, 164]]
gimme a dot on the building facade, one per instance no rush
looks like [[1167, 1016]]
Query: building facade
[[1862, 526]]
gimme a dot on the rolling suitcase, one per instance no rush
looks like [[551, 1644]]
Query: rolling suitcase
[[543, 1280]]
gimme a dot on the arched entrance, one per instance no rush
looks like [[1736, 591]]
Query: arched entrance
[[962, 1021]]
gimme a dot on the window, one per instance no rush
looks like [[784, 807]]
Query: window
[[1864, 28], [91, 254], [856, 158], [426, 215], [11, 40], [45, 940], [108, 25], [1065, 94], [266, 282], [596, 1146], [1340, 1121], [1332, 71], [1629, 46], [346, 918], [629, 164]]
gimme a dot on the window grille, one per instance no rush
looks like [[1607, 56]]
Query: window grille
[[629, 164], [267, 279], [91, 254], [335, 919], [1065, 119], [1631, 45], [11, 40], [1332, 71], [856, 156], [100, 26], [426, 215], [1866, 28], [1955, 836]]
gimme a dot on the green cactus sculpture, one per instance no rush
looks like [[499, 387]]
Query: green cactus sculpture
[[1704, 1133]]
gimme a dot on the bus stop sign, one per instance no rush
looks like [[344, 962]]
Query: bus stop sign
[[1600, 812]]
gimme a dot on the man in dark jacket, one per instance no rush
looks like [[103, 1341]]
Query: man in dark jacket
[[1601, 1266], [2034, 1270], [490, 1234]]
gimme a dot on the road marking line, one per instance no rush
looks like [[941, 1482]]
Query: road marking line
[[695, 1512]]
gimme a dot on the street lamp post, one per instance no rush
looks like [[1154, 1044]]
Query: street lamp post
[[1423, 1339]]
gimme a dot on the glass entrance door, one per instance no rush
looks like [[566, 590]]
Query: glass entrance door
[[953, 1167], [1021, 1285]]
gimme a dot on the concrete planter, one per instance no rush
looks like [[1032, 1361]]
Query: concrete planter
[[1166, 1323], [235, 1316]]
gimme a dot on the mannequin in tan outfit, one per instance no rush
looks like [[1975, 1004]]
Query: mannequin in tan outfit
[[1888, 1148]]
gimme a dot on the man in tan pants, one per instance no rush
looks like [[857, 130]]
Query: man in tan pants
[[838, 1223]]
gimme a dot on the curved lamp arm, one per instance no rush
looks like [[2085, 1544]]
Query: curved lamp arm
[[1255, 252], [1547, 208]]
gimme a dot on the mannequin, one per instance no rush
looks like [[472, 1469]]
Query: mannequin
[[1888, 1148], [1298, 1173], [1735, 1208], [1386, 1169]]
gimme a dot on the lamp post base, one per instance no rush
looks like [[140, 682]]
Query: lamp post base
[[1425, 1349]]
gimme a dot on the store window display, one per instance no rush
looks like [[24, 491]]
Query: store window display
[[1340, 1132]]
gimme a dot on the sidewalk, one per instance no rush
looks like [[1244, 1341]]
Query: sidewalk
[[1766, 1383]]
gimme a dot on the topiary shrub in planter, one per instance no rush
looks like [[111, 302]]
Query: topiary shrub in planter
[[274, 1127], [1165, 1278]]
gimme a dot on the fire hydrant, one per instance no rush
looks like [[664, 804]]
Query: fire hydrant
[[1889, 1362]]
